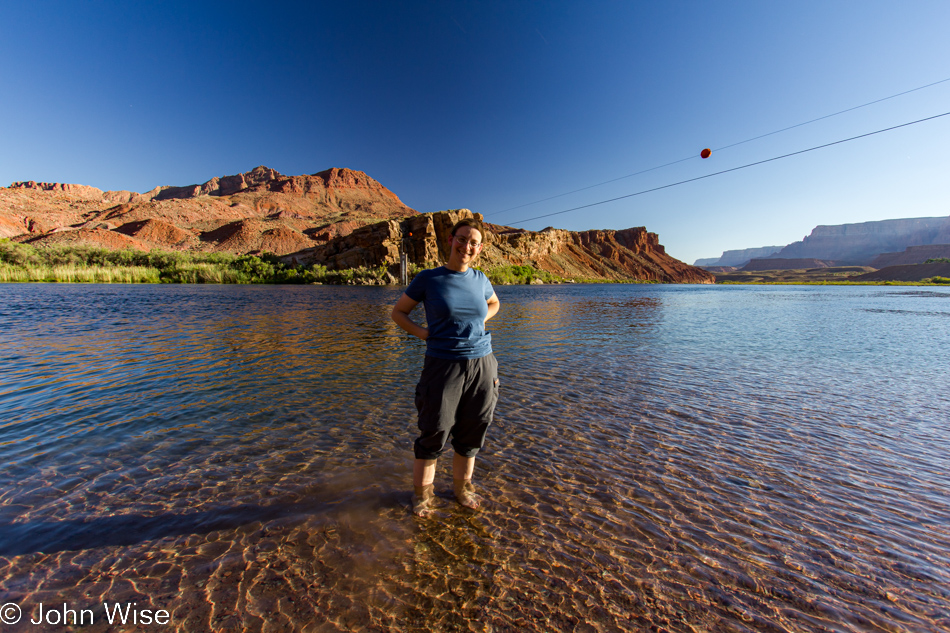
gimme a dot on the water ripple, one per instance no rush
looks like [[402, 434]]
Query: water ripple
[[663, 458]]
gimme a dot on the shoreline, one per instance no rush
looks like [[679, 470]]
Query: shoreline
[[21, 263], [589, 282]]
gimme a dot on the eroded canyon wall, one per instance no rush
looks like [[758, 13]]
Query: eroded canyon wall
[[860, 243], [340, 218], [628, 254]]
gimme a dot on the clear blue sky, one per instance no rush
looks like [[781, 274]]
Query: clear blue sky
[[490, 105]]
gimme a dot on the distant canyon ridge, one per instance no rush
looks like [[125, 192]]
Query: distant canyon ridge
[[876, 244], [338, 218]]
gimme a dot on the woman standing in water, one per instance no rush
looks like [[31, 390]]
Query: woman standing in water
[[457, 392]]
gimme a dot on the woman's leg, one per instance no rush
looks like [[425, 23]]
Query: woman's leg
[[462, 467], [423, 495], [462, 470], [423, 472]]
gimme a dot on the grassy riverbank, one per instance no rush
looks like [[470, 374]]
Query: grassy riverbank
[[25, 263], [933, 281], [838, 276], [22, 262]]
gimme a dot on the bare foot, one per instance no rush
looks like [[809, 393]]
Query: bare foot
[[465, 494], [423, 500]]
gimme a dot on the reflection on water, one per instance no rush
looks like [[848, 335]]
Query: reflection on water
[[663, 458]]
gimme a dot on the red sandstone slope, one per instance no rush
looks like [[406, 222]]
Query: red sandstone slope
[[338, 217], [270, 211], [912, 255], [611, 255], [906, 272]]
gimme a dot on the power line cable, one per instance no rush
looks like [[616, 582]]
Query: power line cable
[[726, 171], [749, 140], [828, 116]]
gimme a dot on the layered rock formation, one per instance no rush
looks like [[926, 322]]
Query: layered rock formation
[[260, 210], [83, 192], [859, 244], [757, 265], [738, 258], [604, 254], [614, 255], [339, 218], [912, 255], [909, 272]]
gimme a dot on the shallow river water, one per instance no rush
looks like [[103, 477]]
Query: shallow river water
[[663, 458]]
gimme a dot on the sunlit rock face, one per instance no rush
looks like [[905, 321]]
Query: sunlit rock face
[[861, 243], [259, 210], [626, 254], [340, 218], [738, 258]]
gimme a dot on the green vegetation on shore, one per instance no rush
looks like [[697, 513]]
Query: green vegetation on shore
[[924, 282], [821, 276], [22, 262], [837, 276], [529, 275], [83, 264], [509, 275]]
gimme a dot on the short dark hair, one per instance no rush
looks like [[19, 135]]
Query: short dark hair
[[470, 222]]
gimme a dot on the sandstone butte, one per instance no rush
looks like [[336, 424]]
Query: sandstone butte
[[339, 218]]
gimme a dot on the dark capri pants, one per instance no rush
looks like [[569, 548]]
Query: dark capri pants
[[455, 398]]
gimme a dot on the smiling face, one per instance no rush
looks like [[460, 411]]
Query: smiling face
[[465, 246]]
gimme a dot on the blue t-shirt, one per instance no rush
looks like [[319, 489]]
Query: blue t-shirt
[[456, 305]]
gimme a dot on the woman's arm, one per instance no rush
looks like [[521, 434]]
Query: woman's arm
[[401, 316], [493, 305]]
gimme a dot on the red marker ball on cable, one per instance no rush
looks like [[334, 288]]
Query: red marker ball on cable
[[706, 153]]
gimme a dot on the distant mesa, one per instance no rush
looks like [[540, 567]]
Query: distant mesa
[[756, 265], [737, 258], [77, 191], [340, 218], [859, 244], [876, 244]]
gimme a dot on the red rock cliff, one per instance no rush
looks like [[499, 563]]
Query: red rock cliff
[[339, 217], [628, 254], [255, 211]]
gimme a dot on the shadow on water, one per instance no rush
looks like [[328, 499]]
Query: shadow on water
[[49, 537]]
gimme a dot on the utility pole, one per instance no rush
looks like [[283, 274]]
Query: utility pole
[[404, 255]]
